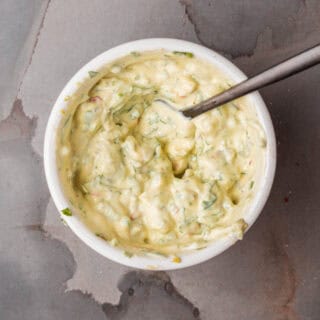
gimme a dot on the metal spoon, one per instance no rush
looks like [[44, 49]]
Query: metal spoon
[[283, 70]]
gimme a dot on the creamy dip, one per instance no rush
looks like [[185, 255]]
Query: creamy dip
[[146, 179]]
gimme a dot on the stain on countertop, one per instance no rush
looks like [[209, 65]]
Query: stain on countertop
[[244, 21]]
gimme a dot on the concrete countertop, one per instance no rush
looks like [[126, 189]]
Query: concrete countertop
[[47, 273]]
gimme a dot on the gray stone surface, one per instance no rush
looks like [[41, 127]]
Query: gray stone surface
[[47, 273]]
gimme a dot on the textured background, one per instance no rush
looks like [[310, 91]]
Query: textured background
[[47, 273]]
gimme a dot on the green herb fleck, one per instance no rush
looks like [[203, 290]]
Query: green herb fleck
[[128, 254], [66, 212], [251, 184], [100, 235], [183, 53], [92, 74], [136, 54], [66, 122], [84, 189], [162, 121], [120, 94], [208, 203]]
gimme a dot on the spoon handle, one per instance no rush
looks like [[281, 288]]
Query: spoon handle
[[283, 70]]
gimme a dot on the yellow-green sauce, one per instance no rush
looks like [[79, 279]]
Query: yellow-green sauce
[[146, 179]]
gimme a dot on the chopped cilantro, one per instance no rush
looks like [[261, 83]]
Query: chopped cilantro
[[66, 212], [84, 189], [135, 53], [92, 74], [101, 236], [208, 203], [128, 254], [251, 184], [183, 53], [66, 122]]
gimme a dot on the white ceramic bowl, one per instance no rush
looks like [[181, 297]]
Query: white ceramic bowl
[[99, 245]]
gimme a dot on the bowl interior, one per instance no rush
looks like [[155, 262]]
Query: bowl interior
[[99, 245]]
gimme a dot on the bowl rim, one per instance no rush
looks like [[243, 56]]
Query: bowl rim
[[61, 202]]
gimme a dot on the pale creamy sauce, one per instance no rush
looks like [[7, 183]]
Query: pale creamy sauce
[[148, 180]]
